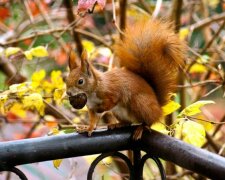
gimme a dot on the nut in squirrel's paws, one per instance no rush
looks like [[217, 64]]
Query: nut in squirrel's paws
[[84, 128], [78, 101]]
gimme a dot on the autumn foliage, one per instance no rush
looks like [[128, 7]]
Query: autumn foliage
[[36, 37]]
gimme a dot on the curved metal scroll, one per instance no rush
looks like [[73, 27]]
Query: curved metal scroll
[[104, 155], [158, 163], [131, 168], [15, 170]]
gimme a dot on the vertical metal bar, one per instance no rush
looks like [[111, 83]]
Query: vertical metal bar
[[136, 165]]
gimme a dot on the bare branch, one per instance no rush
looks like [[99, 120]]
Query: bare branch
[[70, 16]]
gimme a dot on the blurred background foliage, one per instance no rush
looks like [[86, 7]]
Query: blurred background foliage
[[35, 39]]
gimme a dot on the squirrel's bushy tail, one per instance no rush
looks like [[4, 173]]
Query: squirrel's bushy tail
[[152, 50]]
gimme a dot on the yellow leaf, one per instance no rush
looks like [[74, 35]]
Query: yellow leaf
[[11, 50], [56, 80], [194, 108], [55, 131], [37, 78], [58, 95], [28, 55], [83, 110], [207, 125], [170, 107], [47, 86], [76, 120], [88, 45], [198, 68], [160, 128], [193, 133], [183, 33], [20, 89], [3, 99], [137, 15], [213, 3], [38, 75], [57, 163], [18, 110], [34, 101], [107, 160], [39, 51]]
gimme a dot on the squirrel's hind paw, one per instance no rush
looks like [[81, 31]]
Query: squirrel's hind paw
[[139, 131]]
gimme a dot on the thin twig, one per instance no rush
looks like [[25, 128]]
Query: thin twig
[[35, 125], [50, 24], [213, 38], [123, 6], [157, 9], [212, 143], [71, 18], [176, 13], [199, 119], [202, 83], [145, 6], [54, 109], [222, 149], [219, 126], [213, 90], [207, 21], [62, 30]]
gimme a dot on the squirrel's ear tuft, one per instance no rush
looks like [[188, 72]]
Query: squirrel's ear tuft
[[73, 61], [85, 67], [84, 55]]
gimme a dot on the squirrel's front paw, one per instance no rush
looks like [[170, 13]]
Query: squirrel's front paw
[[84, 128], [90, 130], [81, 128]]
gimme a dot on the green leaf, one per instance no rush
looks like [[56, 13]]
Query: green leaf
[[194, 108], [68, 131]]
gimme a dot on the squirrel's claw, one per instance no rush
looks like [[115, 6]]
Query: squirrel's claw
[[82, 128]]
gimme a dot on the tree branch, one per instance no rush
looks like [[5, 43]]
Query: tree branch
[[70, 16]]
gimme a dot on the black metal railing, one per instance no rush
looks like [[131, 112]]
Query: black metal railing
[[108, 143]]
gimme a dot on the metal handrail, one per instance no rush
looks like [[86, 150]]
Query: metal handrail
[[27, 151]]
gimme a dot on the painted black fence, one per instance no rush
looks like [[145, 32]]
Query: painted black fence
[[108, 143]]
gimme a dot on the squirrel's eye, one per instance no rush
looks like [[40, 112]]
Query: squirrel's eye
[[80, 81]]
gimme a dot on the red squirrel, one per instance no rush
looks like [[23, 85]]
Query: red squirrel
[[150, 55]]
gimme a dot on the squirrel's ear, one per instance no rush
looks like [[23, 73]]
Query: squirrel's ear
[[73, 61], [85, 67]]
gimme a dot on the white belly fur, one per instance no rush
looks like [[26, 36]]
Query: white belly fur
[[93, 100], [122, 112]]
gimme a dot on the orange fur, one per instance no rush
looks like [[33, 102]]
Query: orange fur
[[151, 54], [152, 50]]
